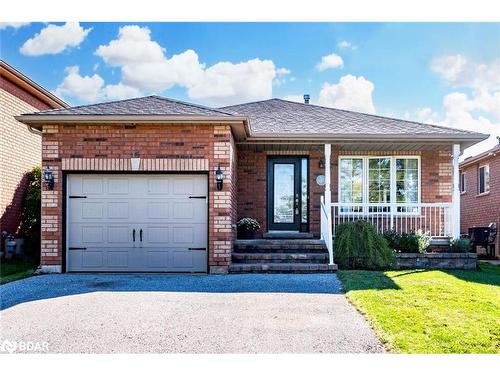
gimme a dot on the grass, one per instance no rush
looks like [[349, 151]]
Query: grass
[[430, 311], [15, 270]]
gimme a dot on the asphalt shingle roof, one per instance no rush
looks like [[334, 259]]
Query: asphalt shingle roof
[[269, 117], [277, 116], [148, 105]]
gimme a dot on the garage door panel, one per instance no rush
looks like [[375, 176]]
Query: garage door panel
[[157, 235], [92, 185], [100, 226], [118, 210], [159, 186], [117, 258], [157, 258], [118, 186]]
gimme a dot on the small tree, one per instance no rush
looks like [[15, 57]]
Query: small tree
[[30, 216], [359, 246]]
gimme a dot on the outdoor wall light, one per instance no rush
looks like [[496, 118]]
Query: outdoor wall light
[[219, 178], [322, 163], [48, 176]]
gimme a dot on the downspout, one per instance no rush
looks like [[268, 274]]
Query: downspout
[[34, 131]]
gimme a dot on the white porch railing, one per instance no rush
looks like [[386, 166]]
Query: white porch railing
[[436, 219], [326, 228], [432, 218]]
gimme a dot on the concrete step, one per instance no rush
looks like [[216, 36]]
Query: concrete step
[[281, 234], [279, 246], [281, 268], [280, 258]]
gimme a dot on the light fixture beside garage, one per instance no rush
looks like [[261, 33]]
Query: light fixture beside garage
[[219, 178], [48, 176], [135, 161]]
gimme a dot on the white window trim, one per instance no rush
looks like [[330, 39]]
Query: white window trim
[[393, 158], [485, 165]]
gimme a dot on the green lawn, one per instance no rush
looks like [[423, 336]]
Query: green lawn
[[14, 270], [427, 311]]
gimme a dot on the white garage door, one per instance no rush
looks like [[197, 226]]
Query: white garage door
[[136, 223]]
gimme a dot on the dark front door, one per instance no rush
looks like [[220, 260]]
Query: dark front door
[[287, 193]]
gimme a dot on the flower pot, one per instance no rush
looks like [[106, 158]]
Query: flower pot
[[246, 234]]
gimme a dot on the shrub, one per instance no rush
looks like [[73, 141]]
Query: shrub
[[30, 216], [413, 242], [460, 245], [359, 246], [248, 224]]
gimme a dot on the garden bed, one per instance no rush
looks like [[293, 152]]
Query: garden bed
[[465, 261]]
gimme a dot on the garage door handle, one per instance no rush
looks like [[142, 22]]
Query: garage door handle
[[197, 248], [197, 197], [77, 248], [133, 235], [140, 235], [77, 196]]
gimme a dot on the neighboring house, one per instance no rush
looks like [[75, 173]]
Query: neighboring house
[[480, 192], [135, 186], [21, 148]]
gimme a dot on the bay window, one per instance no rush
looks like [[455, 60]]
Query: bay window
[[379, 181]]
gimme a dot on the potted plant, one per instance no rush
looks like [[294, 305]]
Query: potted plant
[[247, 227]]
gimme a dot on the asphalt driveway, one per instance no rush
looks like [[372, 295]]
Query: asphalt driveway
[[89, 313]]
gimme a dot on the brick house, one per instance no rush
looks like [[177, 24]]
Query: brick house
[[135, 187], [21, 147], [480, 192]]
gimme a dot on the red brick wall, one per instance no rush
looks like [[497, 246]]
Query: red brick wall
[[481, 210], [436, 167], [20, 151], [212, 142]]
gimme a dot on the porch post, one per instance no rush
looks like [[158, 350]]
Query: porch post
[[328, 201], [456, 192], [328, 192]]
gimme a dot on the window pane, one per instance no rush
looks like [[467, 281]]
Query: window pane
[[484, 179], [407, 183], [379, 180], [304, 191], [351, 183]]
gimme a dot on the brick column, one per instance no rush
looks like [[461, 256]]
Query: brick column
[[222, 216], [51, 210]]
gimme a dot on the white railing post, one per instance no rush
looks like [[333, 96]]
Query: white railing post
[[456, 192]]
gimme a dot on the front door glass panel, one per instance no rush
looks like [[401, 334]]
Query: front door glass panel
[[284, 178]]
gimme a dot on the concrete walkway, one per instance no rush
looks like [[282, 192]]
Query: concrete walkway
[[89, 313]]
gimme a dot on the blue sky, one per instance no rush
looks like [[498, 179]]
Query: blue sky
[[445, 73]]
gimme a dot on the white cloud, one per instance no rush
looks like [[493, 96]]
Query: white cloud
[[478, 110], [330, 61], [133, 46], [351, 93], [344, 44], [225, 82], [459, 113], [294, 98], [425, 115], [92, 88], [145, 66], [55, 39], [460, 72], [14, 25], [74, 85]]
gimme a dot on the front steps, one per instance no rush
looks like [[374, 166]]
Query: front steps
[[280, 256]]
